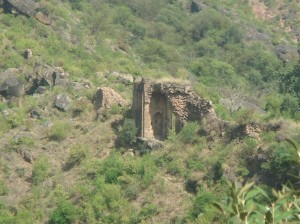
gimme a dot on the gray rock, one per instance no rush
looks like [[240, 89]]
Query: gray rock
[[27, 156], [151, 144], [45, 75], [10, 72], [26, 7], [62, 102], [41, 90], [121, 77], [12, 87], [28, 54], [48, 124], [6, 112], [36, 113]]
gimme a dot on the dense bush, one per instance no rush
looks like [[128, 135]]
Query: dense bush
[[127, 134], [65, 213]]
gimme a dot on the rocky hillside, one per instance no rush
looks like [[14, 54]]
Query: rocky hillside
[[69, 151]]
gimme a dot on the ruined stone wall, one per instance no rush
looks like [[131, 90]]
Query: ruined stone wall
[[157, 107]]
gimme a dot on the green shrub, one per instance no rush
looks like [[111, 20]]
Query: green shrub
[[77, 154], [188, 134], [202, 203], [112, 168], [127, 134], [65, 213], [59, 131], [41, 170], [147, 212]]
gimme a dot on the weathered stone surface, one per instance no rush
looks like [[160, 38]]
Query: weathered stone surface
[[41, 90], [46, 75], [82, 84], [36, 113], [43, 18], [159, 106], [287, 53], [151, 144], [252, 130], [10, 72], [121, 77], [12, 87], [106, 97], [48, 124], [28, 54], [26, 7], [62, 102]]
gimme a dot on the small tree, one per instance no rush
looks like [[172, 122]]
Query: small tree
[[127, 135]]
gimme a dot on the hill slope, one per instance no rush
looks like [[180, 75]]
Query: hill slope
[[65, 165]]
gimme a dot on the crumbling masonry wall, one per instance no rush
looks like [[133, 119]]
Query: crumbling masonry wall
[[159, 107]]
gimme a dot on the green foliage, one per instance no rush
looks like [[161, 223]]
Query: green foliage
[[221, 46], [188, 134], [3, 188], [59, 131], [41, 170], [65, 213], [77, 154], [155, 52], [147, 212], [290, 80], [25, 141], [205, 21], [202, 203], [127, 134], [242, 205], [211, 71]]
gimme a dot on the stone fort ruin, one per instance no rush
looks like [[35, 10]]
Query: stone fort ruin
[[159, 107]]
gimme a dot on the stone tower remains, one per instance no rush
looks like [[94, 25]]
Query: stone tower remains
[[159, 107]]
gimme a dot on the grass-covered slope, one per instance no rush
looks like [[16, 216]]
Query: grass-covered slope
[[67, 167]]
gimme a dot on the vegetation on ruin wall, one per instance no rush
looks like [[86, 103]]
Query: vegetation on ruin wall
[[101, 183]]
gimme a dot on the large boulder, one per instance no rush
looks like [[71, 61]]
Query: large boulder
[[12, 87], [27, 7], [62, 102], [106, 97]]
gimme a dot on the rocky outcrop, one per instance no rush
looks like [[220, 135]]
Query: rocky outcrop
[[106, 97], [26, 7], [46, 75], [159, 107], [150, 144], [43, 18], [120, 77]]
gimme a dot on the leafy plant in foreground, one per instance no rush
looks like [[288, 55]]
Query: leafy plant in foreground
[[242, 207]]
